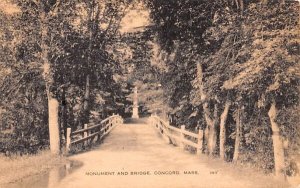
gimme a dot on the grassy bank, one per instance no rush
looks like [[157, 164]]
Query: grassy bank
[[15, 168]]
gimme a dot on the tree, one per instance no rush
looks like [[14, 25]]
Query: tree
[[246, 65], [54, 62], [273, 71]]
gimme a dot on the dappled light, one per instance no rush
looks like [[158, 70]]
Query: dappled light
[[150, 93]]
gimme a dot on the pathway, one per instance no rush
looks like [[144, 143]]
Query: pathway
[[134, 155]]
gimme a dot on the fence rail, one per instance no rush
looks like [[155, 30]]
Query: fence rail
[[91, 132], [178, 134]]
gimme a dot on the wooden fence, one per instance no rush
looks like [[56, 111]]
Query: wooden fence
[[179, 135], [90, 133]]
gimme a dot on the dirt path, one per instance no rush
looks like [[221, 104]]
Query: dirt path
[[139, 148]]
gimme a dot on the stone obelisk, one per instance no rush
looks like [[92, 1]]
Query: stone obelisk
[[135, 107]]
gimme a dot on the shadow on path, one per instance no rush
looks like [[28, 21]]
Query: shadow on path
[[136, 121]]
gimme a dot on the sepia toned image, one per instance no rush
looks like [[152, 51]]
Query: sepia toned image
[[149, 94]]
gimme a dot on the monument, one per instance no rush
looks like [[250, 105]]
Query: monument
[[135, 107]]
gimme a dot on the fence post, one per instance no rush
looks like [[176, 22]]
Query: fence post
[[200, 142], [112, 122], [106, 126], [167, 133], [182, 136], [68, 140], [85, 134]]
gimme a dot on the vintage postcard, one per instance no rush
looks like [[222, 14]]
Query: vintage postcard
[[149, 94]]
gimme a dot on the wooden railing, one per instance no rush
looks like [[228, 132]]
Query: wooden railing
[[89, 133], [179, 135]]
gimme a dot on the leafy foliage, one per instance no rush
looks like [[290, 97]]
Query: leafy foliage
[[72, 56], [249, 55]]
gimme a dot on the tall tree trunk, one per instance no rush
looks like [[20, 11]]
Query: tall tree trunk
[[238, 134], [86, 101], [210, 132], [206, 136], [54, 131], [241, 5], [64, 124], [53, 121], [200, 82], [212, 141], [207, 114], [237, 4], [91, 27], [223, 120], [277, 141]]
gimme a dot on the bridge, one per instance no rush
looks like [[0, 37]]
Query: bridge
[[139, 153]]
